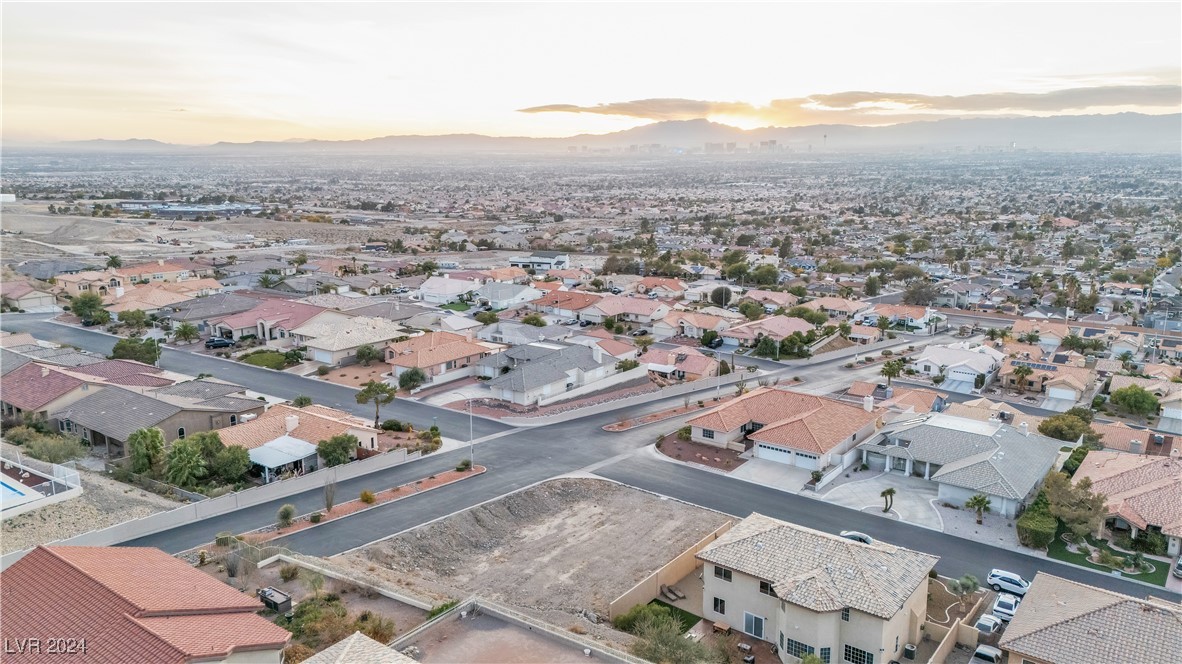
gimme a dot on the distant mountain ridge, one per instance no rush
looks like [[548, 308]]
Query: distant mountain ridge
[[1122, 132]]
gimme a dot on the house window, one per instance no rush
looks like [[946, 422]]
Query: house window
[[857, 655], [753, 625], [65, 426], [824, 655], [798, 649], [766, 589], [719, 605], [896, 643], [845, 614], [781, 640], [927, 368], [180, 433], [708, 434], [233, 420], [722, 573]]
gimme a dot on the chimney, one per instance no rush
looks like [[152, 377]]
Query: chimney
[[160, 261], [1024, 428], [868, 403], [291, 421], [1176, 453], [1136, 446], [44, 372]]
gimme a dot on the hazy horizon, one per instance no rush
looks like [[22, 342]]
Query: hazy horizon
[[197, 74]]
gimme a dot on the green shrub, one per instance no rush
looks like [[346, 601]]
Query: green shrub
[[1037, 527], [20, 435], [322, 371], [55, 449], [464, 465], [1110, 559], [315, 517], [289, 572], [1073, 462], [367, 497], [392, 425], [442, 609], [626, 622], [285, 515], [684, 432]]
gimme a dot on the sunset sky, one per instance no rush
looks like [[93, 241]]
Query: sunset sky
[[200, 73]]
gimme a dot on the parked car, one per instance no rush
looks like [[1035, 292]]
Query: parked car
[[717, 343], [1003, 581], [640, 333], [1005, 606], [585, 323], [1178, 567], [219, 342], [989, 625], [571, 322], [987, 654], [857, 536]]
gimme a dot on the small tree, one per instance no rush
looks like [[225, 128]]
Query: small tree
[[314, 581], [337, 450], [721, 296], [891, 369], [980, 504], [964, 587], [140, 350], [412, 379], [888, 498], [185, 464], [643, 342], [134, 318], [767, 347], [378, 393], [535, 320], [285, 515], [659, 639], [330, 494], [1136, 400], [366, 354], [87, 305], [269, 280], [231, 464], [146, 449], [486, 318], [186, 332], [723, 368], [1080, 509], [708, 337], [301, 401]]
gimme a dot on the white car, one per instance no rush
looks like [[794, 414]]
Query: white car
[[1005, 606], [857, 536], [1008, 582], [988, 625]]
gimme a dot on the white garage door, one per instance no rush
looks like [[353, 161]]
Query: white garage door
[[962, 374], [324, 356], [1062, 393], [806, 461], [773, 453]]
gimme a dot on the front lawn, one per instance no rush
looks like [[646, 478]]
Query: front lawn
[[269, 358], [456, 306], [687, 619], [1058, 550]]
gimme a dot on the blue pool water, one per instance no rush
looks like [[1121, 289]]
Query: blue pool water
[[7, 491]]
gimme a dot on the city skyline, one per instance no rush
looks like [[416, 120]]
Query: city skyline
[[176, 72]]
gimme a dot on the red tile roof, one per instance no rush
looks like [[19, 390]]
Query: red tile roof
[[130, 604], [34, 385]]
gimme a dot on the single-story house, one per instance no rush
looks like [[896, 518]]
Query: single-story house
[[1142, 493], [526, 375], [638, 310], [283, 440], [681, 363], [335, 342], [444, 290], [501, 295], [776, 327], [22, 295], [272, 320], [960, 362], [542, 261], [690, 324], [442, 356], [837, 307]]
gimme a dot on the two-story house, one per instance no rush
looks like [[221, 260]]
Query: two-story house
[[542, 261], [810, 592]]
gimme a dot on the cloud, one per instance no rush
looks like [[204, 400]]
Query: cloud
[[859, 107]]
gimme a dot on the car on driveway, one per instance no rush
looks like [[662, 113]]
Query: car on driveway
[[857, 536], [1007, 582], [640, 333], [1005, 606], [219, 342], [717, 342], [1178, 567], [585, 323], [989, 625], [986, 655]]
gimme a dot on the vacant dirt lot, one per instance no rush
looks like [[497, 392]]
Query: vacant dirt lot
[[556, 549]]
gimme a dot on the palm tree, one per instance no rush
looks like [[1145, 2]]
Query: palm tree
[[891, 369], [269, 280], [380, 394], [888, 498], [186, 332], [114, 262], [980, 504], [1022, 372], [185, 464]]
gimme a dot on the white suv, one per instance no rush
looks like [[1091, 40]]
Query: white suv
[[1003, 581]]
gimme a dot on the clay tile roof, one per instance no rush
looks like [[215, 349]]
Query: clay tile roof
[[860, 388], [797, 420], [34, 385], [131, 604], [316, 423]]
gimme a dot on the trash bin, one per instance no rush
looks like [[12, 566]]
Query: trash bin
[[909, 651]]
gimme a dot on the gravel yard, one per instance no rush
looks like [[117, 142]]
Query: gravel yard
[[104, 502], [556, 550]]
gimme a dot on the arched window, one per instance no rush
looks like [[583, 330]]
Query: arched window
[[180, 433]]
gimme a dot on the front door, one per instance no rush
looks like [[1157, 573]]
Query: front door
[[753, 625]]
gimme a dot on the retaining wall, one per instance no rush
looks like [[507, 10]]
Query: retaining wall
[[670, 573]]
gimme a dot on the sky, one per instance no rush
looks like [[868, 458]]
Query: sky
[[206, 72]]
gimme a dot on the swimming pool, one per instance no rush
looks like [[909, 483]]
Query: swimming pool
[[7, 491]]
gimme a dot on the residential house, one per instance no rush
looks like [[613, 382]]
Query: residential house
[[149, 299], [130, 604], [638, 311], [271, 320], [539, 372], [564, 304], [41, 388], [837, 307], [1049, 334], [700, 291], [809, 592], [1067, 622], [359, 649], [984, 410], [606, 342], [508, 275], [680, 363], [776, 327], [1142, 493], [569, 278], [516, 334], [284, 438], [965, 366], [159, 270], [54, 268], [500, 295], [442, 356], [307, 284], [772, 300], [793, 428], [106, 284], [21, 295], [965, 457], [335, 342], [445, 290], [865, 334], [542, 261], [662, 287], [201, 310], [1062, 385], [108, 416], [691, 324], [906, 315]]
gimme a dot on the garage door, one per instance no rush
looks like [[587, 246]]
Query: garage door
[[324, 356], [773, 453], [1062, 393], [806, 461]]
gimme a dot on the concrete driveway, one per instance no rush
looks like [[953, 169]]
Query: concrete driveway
[[774, 474], [1057, 405], [958, 386], [912, 496]]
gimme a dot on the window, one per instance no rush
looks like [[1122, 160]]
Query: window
[[781, 640], [180, 433], [233, 420], [857, 656], [824, 655], [896, 643], [753, 625], [798, 649], [766, 589], [65, 426], [845, 614], [719, 605], [708, 434], [722, 573]]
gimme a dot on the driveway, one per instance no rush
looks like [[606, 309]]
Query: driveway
[[1057, 405], [912, 496], [774, 474], [957, 386]]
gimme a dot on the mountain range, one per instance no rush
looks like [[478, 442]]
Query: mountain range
[[1122, 132]]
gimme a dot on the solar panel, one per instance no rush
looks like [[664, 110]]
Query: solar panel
[[1036, 365]]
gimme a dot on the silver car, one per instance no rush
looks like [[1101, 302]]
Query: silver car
[[1007, 582], [1005, 606]]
